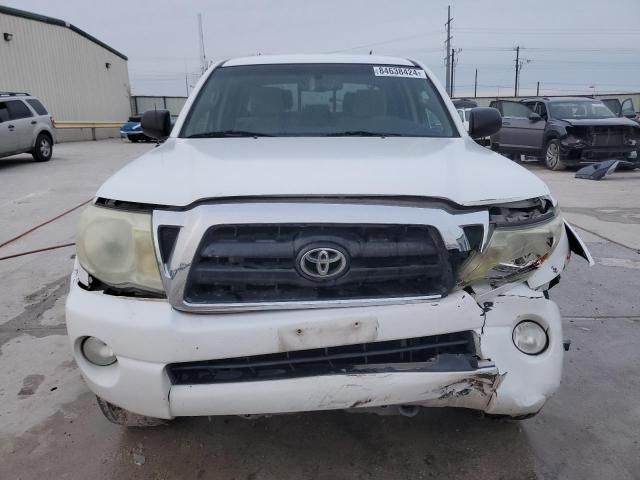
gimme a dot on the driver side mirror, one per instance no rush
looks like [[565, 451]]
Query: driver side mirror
[[484, 122], [156, 124], [534, 117]]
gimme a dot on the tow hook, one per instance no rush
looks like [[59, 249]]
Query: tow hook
[[567, 345]]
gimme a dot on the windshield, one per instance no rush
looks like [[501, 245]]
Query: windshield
[[318, 100], [576, 109]]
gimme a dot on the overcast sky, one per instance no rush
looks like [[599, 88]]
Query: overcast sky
[[572, 45]]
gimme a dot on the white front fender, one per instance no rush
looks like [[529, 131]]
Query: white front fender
[[559, 258]]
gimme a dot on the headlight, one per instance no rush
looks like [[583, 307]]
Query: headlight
[[513, 253], [116, 247]]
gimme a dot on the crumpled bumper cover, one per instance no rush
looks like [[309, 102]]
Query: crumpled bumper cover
[[146, 335], [331, 392], [577, 153]]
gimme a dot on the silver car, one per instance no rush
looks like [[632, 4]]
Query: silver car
[[25, 126]]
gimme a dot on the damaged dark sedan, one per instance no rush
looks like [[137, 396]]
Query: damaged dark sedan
[[565, 131]]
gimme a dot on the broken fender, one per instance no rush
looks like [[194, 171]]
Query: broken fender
[[576, 245], [557, 261]]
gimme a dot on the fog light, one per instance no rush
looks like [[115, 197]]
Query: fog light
[[530, 338], [97, 352]]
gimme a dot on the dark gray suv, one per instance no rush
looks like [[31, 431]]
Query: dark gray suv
[[565, 131], [25, 126]]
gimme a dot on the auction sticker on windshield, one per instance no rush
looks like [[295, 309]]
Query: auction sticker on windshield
[[399, 72]]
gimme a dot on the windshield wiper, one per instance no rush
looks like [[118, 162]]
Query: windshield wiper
[[229, 133], [362, 133]]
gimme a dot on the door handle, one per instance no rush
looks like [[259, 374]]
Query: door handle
[[506, 123], [33, 122], [11, 126]]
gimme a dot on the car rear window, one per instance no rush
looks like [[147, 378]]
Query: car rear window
[[17, 110], [37, 106]]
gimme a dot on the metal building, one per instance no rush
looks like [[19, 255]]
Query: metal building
[[78, 77]]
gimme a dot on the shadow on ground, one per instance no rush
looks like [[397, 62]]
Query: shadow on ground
[[438, 443]]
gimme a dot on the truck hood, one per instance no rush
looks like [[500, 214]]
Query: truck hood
[[183, 171], [600, 122]]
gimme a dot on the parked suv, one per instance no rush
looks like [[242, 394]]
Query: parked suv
[[25, 126], [565, 131], [319, 233]]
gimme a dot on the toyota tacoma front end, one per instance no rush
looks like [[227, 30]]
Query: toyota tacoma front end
[[319, 233]]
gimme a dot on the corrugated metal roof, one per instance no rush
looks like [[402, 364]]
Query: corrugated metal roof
[[61, 23]]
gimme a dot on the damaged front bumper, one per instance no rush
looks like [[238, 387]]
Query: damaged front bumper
[[148, 335], [576, 153]]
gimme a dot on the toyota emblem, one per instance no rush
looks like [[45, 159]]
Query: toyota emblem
[[322, 263]]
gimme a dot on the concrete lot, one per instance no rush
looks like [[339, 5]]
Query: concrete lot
[[50, 426]]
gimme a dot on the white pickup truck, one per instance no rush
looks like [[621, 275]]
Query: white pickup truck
[[319, 232]]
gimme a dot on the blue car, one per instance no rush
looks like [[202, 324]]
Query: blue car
[[132, 130]]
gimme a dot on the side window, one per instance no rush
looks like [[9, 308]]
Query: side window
[[497, 104], [289, 94], [515, 109], [433, 121], [4, 113], [346, 95], [37, 106], [541, 109], [17, 110]]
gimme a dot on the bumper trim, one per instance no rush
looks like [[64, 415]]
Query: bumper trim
[[337, 392]]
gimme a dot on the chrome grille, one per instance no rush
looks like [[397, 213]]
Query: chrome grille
[[258, 263]]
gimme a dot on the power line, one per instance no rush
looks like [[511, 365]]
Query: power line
[[390, 40], [501, 31]]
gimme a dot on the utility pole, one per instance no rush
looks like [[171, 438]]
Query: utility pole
[[453, 60], [519, 64], [515, 86], [448, 48], [203, 57], [454, 51], [538, 89], [186, 82], [475, 86]]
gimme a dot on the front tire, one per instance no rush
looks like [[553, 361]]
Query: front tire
[[43, 150], [552, 155], [123, 417]]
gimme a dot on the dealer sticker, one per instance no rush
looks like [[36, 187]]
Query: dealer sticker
[[383, 71]]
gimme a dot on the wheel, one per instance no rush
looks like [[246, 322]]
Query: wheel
[[552, 155], [43, 150], [120, 416], [133, 140]]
